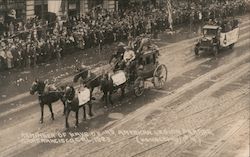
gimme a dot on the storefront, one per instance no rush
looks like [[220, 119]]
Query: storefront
[[73, 8], [94, 3], [41, 8], [11, 9]]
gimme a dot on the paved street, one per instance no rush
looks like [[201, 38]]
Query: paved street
[[203, 94]]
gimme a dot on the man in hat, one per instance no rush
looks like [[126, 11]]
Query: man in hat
[[118, 56], [129, 55], [9, 57]]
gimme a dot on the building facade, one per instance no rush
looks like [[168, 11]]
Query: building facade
[[15, 8], [29, 8]]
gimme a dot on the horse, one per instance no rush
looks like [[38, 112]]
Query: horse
[[90, 79], [108, 88], [46, 97], [72, 104]]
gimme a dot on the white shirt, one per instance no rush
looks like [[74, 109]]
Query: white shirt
[[129, 56]]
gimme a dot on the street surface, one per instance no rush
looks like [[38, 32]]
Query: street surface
[[205, 104]]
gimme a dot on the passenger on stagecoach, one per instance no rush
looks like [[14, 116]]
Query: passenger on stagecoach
[[128, 60], [49, 87], [144, 44]]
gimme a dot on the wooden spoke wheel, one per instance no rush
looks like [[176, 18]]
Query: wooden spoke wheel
[[160, 76], [139, 86]]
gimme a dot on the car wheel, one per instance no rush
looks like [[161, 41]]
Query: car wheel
[[215, 50], [196, 51], [231, 46]]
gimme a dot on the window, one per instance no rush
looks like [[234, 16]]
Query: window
[[209, 32]]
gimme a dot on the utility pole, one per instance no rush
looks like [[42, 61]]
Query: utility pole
[[42, 8], [43, 21]]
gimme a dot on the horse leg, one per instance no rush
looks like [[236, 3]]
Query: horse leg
[[123, 92], [51, 111], [41, 119], [91, 93], [66, 118], [84, 112], [76, 125], [90, 109], [105, 95], [110, 97], [64, 108]]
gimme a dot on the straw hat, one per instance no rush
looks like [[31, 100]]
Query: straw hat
[[121, 44]]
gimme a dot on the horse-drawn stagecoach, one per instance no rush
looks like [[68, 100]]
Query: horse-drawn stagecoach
[[145, 67]]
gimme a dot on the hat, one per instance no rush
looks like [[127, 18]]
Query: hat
[[85, 67], [121, 44], [127, 47]]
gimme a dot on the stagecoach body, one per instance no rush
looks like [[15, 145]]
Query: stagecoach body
[[148, 68], [149, 63], [215, 38]]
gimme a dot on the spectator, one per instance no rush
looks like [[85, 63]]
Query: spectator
[[9, 58], [36, 42]]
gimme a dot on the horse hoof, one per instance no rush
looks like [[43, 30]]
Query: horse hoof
[[41, 121], [52, 118], [76, 126], [91, 115]]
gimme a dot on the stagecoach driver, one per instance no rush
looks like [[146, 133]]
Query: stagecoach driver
[[118, 56], [129, 55], [128, 60]]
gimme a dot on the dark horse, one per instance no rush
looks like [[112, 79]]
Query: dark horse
[[46, 97], [89, 79], [108, 88], [72, 104], [92, 81]]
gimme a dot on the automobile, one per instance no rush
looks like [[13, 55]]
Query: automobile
[[216, 37]]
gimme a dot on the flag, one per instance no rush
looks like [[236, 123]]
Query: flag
[[170, 19], [54, 6]]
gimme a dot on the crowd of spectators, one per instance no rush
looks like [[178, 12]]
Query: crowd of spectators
[[26, 44]]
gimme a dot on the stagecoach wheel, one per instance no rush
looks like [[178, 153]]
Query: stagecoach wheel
[[215, 50], [139, 86], [196, 51], [160, 76]]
